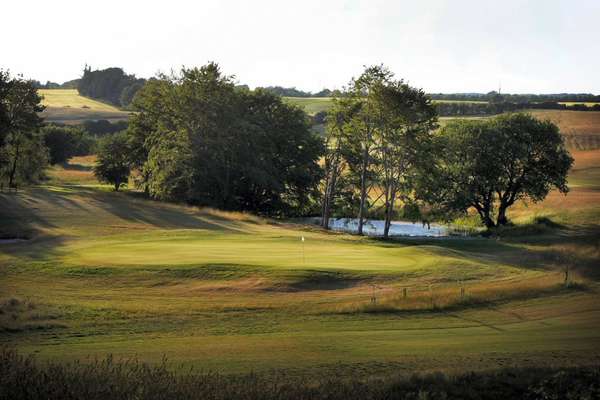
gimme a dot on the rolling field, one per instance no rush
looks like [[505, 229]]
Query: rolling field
[[68, 107], [104, 272]]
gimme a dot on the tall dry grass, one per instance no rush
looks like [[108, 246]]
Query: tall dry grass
[[462, 294], [23, 378]]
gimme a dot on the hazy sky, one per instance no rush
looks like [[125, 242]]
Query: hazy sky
[[541, 46]]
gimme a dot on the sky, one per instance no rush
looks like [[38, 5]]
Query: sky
[[522, 46]]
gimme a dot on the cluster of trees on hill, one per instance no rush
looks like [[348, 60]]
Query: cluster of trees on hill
[[293, 92], [72, 84], [111, 84]]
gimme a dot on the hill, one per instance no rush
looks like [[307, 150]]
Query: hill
[[67, 106], [100, 272]]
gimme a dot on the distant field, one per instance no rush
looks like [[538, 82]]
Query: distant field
[[311, 105], [67, 106], [587, 103]]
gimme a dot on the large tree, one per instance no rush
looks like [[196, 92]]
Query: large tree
[[19, 130], [113, 165], [198, 138], [407, 119], [488, 165], [375, 133]]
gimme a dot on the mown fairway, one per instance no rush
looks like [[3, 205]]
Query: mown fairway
[[67, 106], [108, 272]]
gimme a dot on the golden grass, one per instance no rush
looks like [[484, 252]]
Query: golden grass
[[67, 106], [572, 122], [458, 294]]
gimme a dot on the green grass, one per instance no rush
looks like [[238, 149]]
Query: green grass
[[311, 105], [67, 106], [107, 272]]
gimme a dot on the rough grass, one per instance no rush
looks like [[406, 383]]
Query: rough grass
[[25, 378], [67, 106]]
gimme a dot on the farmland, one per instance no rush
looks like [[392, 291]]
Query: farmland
[[106, 272], [67, 106], [313, 105]]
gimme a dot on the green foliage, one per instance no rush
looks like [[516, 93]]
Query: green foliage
[[113, 165], [110, 84], [64, 142], [197, 138], [491, 164], [378, 131], [103, 127], [22, 152]]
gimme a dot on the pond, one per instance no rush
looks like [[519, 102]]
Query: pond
[[398, 228]]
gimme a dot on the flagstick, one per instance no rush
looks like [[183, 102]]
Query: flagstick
[[303, 260]]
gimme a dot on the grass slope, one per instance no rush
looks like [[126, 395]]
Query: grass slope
[[107, 272], [67, 106]]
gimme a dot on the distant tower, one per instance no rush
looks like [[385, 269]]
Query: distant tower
[[500, 87]]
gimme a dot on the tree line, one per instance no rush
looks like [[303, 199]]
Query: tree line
[[497, 97], [197, 137], [112, 85], [466, 108]]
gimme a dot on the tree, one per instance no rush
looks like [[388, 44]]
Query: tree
[[110, 84], [490, 164], [113, 164], [198, 138], [407, 119], [64, 142], [334, 162], [362, 127], [19, 130]]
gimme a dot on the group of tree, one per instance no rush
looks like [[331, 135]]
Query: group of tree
[[64, 142], [481, 108], [102, 127], [385, 153], [112, 85], [198, 138], [72, 84], [293, 92], [27, 145], [378, 134], [497, 97]]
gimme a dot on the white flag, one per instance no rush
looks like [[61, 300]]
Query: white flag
[[303, 238]]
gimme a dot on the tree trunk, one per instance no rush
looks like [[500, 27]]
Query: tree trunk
[[388, 213], [363, 190], [13, 171], [502, 220], [328, 198]]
